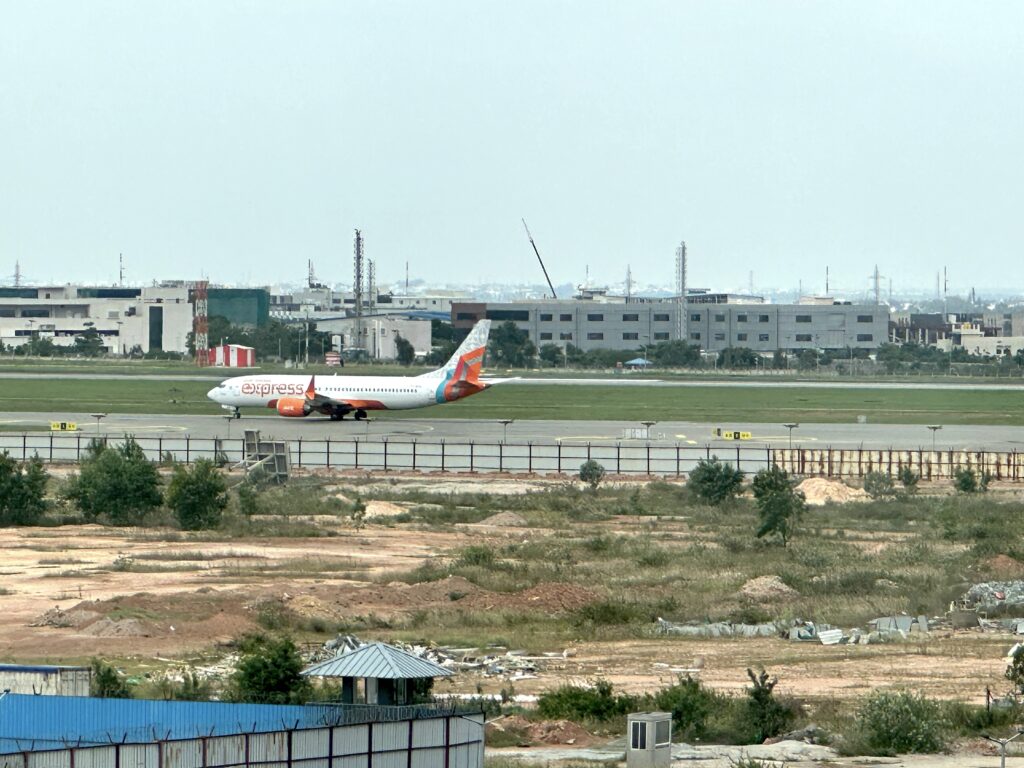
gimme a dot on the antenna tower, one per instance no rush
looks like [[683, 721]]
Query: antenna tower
[[120, 269], [681, 317], [826, 281], [371, 285], [201, 322], [876, 278], [17, 274], [357, 288], [629, 283]]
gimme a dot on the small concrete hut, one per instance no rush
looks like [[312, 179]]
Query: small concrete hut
[[378, 673]]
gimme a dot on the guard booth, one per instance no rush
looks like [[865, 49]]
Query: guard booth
[[649, 740]]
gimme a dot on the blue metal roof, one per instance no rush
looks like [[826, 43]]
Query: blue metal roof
[[378, 660], [51, 722], [47, 669]]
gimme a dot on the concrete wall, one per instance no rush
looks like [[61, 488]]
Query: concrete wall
[[45, 680]]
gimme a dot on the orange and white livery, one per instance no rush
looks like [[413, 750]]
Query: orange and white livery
[[336, 396]]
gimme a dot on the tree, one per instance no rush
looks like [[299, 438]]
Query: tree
[[510, 346], [22, 488], [737, 357], [965, 480], [551, 355], [878, 485], [119, 484], [714, 481], [675, 354], [807, 361], [779, 504], [197, 495], [779, 360], [38, 346], [591, 473], [89, 344], [404, 351], [269, 672], [107, 683]]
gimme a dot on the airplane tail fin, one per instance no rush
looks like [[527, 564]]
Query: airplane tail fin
[[460, 376]]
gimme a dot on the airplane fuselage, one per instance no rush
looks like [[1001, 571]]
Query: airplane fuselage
[[393, 393]]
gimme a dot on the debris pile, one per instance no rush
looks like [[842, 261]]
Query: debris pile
[[767, 589], [994, 595]]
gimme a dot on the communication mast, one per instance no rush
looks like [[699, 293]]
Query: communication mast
[[371, 286], [120, 269], [17, 274], [357, 289], [681, 318], [201, 321]]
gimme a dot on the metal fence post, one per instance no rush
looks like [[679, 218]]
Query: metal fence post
[[501, 457], [413, 455], [471, 450], [442, 454], [188, 448], [300, 452], [618, 458], [385, 441], [677, 459], [356, 440], [529, 457], [558, 465], [51, 447], [24, 446]]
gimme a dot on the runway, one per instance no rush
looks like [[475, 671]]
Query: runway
[[870, 436]]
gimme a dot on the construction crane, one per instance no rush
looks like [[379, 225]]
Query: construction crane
[[553, 294]]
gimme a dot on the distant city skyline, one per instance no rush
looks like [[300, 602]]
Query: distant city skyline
[[237, 140]]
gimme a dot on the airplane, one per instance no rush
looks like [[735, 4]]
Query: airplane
[[337, 396]]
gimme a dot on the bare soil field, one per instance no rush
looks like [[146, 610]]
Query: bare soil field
[[73, 592]]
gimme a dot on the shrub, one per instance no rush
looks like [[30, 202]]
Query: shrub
[[1015, 669], [591, 473], [197, 495], [573, 702], [965, 480], [765, 715], [118, 484], [107, 683], [690, 704], [22, 487], [878, 485], [779, 504], [714, 482], [909, 479], [889, 723], [269, 673], [476, 555]]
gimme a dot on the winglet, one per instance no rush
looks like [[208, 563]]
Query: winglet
[[311, 388]]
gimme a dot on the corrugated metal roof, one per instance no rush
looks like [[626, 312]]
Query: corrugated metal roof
[[45, 668], [56, 721], [379, 660]]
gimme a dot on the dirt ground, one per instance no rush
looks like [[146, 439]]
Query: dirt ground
[[65, 598]]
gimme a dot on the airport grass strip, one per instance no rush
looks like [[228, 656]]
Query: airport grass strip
[[751, 404]]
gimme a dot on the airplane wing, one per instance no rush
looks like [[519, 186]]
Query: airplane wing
[[325, 404], [489, 381]]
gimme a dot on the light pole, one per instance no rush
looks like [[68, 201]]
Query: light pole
[[648, 424], [791, 427], [934, 428], [98, 417], [504, 423], [1002, 745]]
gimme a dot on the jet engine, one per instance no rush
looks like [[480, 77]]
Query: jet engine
[[293, 406]]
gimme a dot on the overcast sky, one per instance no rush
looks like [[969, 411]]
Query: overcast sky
[[238, 139]]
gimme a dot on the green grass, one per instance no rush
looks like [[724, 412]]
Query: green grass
[[565, 401]]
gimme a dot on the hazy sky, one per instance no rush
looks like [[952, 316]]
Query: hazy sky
[[239, 139]]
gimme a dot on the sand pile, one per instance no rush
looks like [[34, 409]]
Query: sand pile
[[378, 509], [767, 589], [506, 520], [819, 490], [123, 628]]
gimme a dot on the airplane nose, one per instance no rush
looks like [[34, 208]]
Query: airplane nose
[[212, 394]]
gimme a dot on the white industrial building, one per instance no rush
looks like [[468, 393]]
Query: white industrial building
[[147, 319], [379, 334]]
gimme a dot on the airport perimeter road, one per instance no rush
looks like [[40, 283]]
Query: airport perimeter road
[[967, 437]]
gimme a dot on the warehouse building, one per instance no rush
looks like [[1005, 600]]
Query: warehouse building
[[45, 680], [713, 322]]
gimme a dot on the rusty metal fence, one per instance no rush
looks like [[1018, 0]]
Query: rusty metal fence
[[641, 458]]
